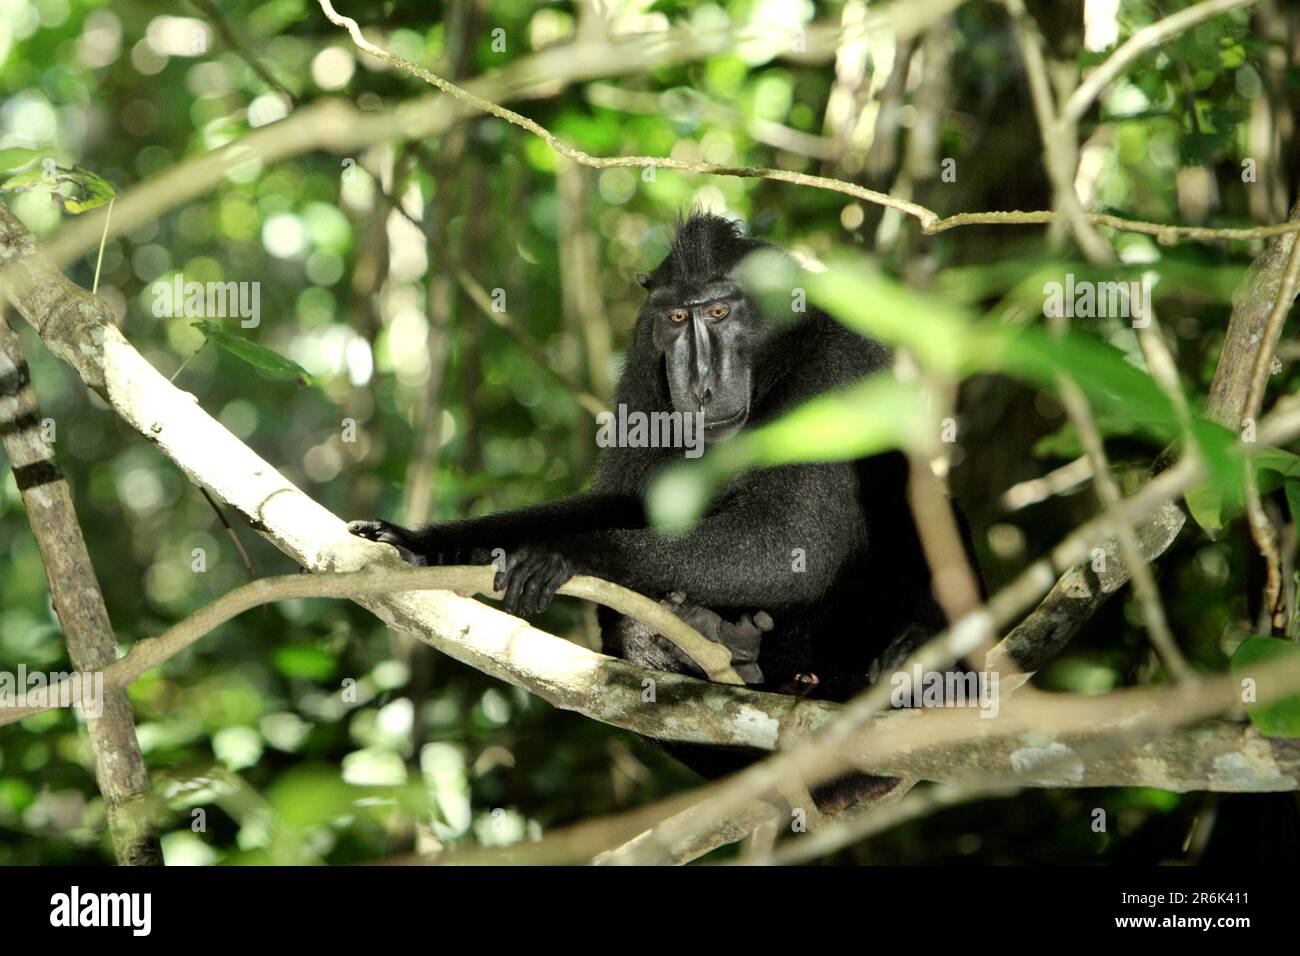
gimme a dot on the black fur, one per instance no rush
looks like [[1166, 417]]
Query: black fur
[[702, 248], [866, 588]]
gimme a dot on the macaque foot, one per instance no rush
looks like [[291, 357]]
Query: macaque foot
[[741, 637], [800, 685], [386, 533]]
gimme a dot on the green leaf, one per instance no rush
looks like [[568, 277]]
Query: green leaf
[[1292, 489], [1019, 279], [16, 157], [1114, 387], [87, 190], [1205, 502], [876, 415], [1279, 464], [25, 181], [306, 663], [871, 303], [679, 498], [1275, 718], [1219, 500], [270, 363], [944, 338], [309, 796]]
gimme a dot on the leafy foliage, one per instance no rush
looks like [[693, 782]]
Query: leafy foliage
[[306, 732], [270, 363], [1276, 718], [86, 189]]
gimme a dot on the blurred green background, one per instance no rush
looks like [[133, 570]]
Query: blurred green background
[[249, 726]]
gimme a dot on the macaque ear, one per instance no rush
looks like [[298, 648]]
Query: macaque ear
[[643, 280]]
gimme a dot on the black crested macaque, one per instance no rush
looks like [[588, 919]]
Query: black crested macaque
[[811, 574]]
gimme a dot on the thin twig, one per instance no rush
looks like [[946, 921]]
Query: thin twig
[[1135, 46], [590, 403], [851, 829], [1058, 481], [214, 13], [930, 220], [711, 657], [103, 240], [239, 545], [1144, 583], [1060, 140], [1262, 531]]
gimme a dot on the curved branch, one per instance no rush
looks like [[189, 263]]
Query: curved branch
[[930, 220], [1218, 756], [150, 652], [1259, 304], [1135, 46], [333, 125], [78, 327]]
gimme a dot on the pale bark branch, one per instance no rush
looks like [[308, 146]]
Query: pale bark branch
[[464, 580], [1218, 756], [76, 326]]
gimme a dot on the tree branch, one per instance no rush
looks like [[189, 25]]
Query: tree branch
[[75, 325], [1218, 756], [465, 580], [75, 593], [336, 126], [1135, 46], [1080, 590], [929, 219]]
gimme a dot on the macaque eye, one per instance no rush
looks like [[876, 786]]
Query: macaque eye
[[677, 315], [718, 311]]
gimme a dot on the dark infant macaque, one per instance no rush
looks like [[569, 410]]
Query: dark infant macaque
[[811, 574]]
